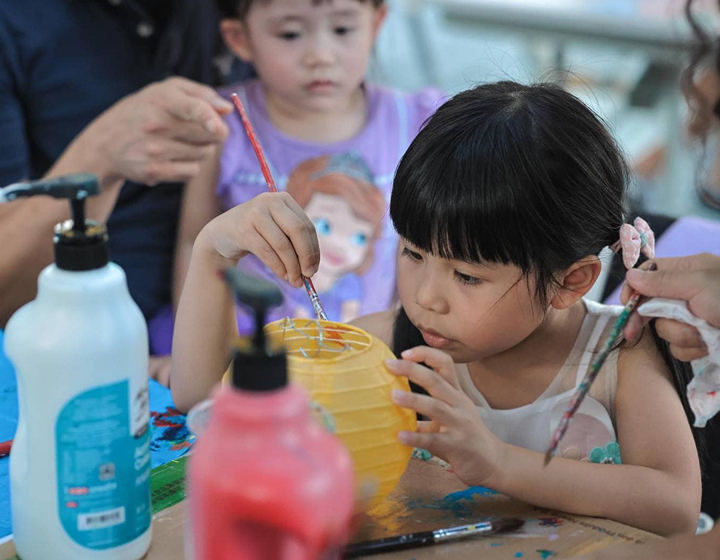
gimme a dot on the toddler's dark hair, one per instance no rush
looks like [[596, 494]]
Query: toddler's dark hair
[[238, 9]]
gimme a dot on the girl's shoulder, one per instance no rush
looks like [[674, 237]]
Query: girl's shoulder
[[380, 325], [414, 108]]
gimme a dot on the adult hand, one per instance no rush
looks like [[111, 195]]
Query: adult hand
[[159, 134], [695, 279]]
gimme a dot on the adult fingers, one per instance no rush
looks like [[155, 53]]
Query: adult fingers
[[173, 150], [679, 334], [219, 103], [154, 172], [688, 354], [436, 359], [674, 278], [193, 109]]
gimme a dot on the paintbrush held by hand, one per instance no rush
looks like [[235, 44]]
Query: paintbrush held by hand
[[272, 187], [584, 388]]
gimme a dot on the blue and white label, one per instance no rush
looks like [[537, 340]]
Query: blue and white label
[[103, 468]]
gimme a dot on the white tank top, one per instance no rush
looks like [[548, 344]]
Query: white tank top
[[593, 426]]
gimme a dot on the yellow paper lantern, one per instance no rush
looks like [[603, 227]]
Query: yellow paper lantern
[[343, 369]]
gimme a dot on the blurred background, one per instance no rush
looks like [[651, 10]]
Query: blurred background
[[619, 56]]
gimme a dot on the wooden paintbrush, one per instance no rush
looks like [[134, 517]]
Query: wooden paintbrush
[[309, 288], [584, 387]]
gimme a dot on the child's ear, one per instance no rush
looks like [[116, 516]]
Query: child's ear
[[235, 34], [378, 19], [576, 281]]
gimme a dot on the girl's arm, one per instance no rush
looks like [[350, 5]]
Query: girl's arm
[[199, 205], [657, 488], [275, 229]]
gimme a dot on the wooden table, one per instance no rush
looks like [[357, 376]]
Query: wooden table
[[431, 497]]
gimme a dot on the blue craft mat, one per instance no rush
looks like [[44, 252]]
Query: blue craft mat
[[170, 436]]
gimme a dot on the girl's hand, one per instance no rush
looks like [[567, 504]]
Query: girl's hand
[[272, 227], [455, 433]]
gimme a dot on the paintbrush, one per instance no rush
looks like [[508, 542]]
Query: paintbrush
[[427, 538], [309, 288], [584, 387]]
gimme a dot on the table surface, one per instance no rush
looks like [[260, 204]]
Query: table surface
[[431, 497]]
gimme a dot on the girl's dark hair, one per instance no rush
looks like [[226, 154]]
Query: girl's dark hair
[[238, 9], [513, 174]]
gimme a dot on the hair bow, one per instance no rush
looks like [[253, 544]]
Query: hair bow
[[635, 239]]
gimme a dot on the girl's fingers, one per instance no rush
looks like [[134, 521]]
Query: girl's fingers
[[266, 225], [428, 379], [431, 407], [429, 442], [679, 334], [259, 247], [310, 252], [437, 360], [425, 427]]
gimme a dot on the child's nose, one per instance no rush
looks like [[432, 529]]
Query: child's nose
[[320, 51], [430, 295]]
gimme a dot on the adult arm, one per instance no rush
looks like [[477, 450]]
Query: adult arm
[[161, 133]]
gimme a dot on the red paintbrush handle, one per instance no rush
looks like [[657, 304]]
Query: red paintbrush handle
[[255, 143]]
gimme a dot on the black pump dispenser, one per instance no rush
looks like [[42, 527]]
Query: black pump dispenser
[[259, 369], [80, 244]]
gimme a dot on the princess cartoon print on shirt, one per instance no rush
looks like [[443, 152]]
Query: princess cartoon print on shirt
[[339, 195]]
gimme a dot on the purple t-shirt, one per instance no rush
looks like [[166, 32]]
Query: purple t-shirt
[[345, 189]]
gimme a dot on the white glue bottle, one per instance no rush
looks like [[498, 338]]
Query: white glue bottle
[[80, 462]]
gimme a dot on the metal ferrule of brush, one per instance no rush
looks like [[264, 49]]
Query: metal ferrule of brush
[[456, 532]]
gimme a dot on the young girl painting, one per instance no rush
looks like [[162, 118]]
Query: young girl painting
[[502, 204]]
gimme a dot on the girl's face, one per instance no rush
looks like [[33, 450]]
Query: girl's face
[[311, 56], [470, 311]]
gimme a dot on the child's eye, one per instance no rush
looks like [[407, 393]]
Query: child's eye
[[322, 226], [359, 239], [411, 254], [465, 279], [343, 30], [289, 35]]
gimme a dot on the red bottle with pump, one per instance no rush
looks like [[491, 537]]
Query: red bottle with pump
[[266, 481]]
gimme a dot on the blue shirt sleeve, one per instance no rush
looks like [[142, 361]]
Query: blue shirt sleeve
[[14, 162]]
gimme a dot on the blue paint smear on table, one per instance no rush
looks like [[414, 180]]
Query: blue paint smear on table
[[170, 436]]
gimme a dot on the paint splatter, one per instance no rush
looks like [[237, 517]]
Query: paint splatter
[[519, 554], [550, 521], [553, 537], [496, 544], [169, 431], [545, 554]]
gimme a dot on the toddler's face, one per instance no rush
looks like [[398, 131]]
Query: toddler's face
[[312, 56], [469, 311]]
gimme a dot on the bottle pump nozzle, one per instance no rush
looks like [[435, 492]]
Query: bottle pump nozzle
[[79, 244], [261, 369]]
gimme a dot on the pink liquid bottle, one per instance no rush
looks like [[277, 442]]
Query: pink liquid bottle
[[266, 481]]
